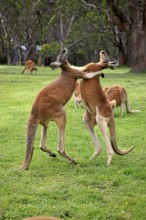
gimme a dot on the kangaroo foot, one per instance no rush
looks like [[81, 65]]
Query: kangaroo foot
[[67, 157], [96, 153], [51, 154], [23, 167]]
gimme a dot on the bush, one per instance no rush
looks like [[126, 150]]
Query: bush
[[49, 51]]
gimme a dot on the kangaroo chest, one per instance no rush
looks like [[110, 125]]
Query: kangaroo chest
[[92, 94]]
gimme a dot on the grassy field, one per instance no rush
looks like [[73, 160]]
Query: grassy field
[[52, 186]]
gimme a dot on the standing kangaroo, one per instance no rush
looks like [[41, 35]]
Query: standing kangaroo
[[119, 94], [98, 109], [49, 106], [29, 65]]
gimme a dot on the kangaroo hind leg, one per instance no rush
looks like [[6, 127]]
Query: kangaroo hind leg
[[61, 123], [101, 121], [121, 109], [90, 122], [43, 142]]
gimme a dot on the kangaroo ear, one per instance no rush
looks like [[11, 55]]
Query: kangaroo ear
[[55, 65]]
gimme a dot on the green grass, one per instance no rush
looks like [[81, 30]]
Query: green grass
[[52, 186]]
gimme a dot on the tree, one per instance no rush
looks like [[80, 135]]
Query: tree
[[133, 22], [130, 19], [19, 23], [86, 27]]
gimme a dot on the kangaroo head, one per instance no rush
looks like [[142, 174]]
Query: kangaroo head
[[61, 58], [104, 58]]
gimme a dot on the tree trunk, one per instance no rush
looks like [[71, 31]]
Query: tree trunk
[[122, 57], [39, 63], [133, 23], [9, 54], [137, 42], [19, 56]]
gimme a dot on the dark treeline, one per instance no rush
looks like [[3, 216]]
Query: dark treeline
[[37, 29]]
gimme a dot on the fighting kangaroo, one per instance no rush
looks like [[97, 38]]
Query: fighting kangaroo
[[49, 106], [29, 65], [98, 109], [119, 94]]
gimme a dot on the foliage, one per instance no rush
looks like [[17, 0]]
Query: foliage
[[85, 26], [46, 22], [52, 186], [50, 49]]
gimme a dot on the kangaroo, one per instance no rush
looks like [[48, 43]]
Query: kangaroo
[[49, 106], [119, 94], [98, 109], [29, 65]]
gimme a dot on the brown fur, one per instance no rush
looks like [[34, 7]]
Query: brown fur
[[29, 65], [41, 218], [119, 94], [98, 110], [49, 106], [77, 95]]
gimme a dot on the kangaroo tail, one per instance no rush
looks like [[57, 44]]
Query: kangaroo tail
[[112, 131], [128, 109], [31, 131], [118, 151], [127, 106]]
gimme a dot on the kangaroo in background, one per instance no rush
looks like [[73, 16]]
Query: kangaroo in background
[[29, 65], [98, 109], [49, 106], [119, 94], [77, 95]]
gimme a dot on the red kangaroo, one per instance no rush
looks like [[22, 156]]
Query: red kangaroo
[[119, 94], [29, 65], [98, 109], [49, 106]]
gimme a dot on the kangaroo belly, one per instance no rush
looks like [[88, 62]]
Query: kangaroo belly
[[93, 97]]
